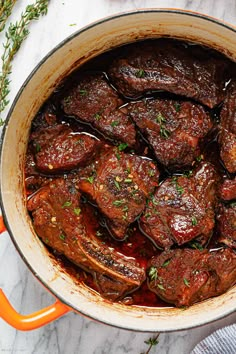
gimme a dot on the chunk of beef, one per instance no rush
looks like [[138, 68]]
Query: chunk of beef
[[45, 118], [59, 149], [58, 221], [227, 224], [94, 101], [172, 66], [228, 189], [173, 128], [182, 209], [120, 186], [227, 136], [184, 276]]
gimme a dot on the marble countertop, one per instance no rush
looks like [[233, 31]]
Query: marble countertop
[[74, 333]]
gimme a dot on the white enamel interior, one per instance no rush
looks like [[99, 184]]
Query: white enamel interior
[[72, 53]]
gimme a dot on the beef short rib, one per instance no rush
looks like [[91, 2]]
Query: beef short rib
[[94, 101], [185, 276], [227, 224], [58, 221], [120, 185], [59, 149], [173, 128], [172, 66], [227, 136], [182, 208]]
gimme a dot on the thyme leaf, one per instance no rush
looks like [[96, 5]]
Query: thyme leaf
[[5, 11], [16, 33]]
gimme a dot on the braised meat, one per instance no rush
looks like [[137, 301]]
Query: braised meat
[[120, 186], [228, 189], [58, 221], [94, 101], [130, 170], [227, 224], [172, 66], [182, 209], [184, 276], [59, 149], [227, 136], [173, 128]]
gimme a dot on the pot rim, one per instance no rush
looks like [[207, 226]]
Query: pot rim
[[178, 11]]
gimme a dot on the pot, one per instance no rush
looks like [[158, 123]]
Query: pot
[[68, 56]]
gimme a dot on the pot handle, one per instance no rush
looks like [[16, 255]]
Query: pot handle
[[34, 320]]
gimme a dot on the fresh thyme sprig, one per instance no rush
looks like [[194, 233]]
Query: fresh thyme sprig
[[15, 35], [151, 342], [6, 7]]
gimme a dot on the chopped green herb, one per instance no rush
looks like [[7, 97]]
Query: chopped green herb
[[186, 282], [160, 286], [72, 24], [77, 211], [179, 188], [160, 119], [126, 208], [115, 123], [118, 156], [152, 273], [128, 170], [165, 133], [67, 204], [118, 202], [140, 73], [154, 201], [83, 92], [199, 158], [46, 240], [196, 245], [128, 180], [166, 263], [122, 146], [188, 174], [97, 116], [177, 106], [38, 147], [117, 185], [151, 173], [67, 100], [90, 179], [194, 221], [62, 237]]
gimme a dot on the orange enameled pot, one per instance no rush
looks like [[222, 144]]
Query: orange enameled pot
[[69, 55]]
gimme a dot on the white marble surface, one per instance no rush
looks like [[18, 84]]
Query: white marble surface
[[73, 333]]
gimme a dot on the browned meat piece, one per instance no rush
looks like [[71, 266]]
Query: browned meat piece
[[58, 221], [59, 149], [172, 66], [228, 189], [227, 224], [173, 128], [227, 136], [184, 276], [120, 186], [182, 209], [94, 101], [45, 117]]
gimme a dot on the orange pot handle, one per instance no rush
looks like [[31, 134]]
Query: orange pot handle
[[34, 320]]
